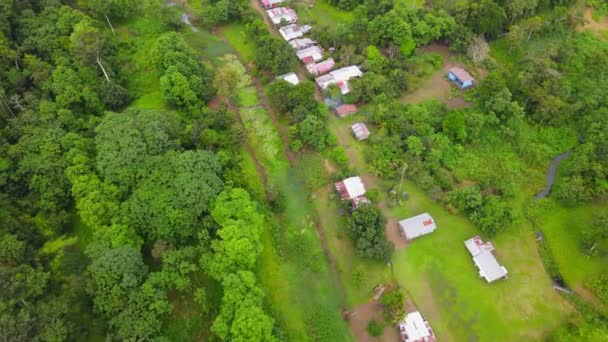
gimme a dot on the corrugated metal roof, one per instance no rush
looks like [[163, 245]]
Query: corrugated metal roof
[[462, 74], [346, 109], [416, 226]]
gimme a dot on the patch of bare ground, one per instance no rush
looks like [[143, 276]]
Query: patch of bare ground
[[437, 86], [329, 168], [361, 315], [592, 25], [393, 235]]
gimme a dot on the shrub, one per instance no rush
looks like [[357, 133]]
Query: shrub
[[374, 328]]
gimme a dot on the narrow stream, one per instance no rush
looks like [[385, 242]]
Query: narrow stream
[[551, 173]]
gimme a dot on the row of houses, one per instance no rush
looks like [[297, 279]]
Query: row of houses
[[307, 50]]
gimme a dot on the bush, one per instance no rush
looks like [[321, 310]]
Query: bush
[[374, 328], [599, 286], [367, 228], [339, 156]]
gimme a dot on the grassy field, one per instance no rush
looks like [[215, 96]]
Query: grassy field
[[236, 35], [322, 14], [293, 269], [561, 228], [440, 276]]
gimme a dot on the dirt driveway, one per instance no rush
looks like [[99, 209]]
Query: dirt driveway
[[361, 315]]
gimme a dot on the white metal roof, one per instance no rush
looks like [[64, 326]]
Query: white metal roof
[[489, 268], [484, 259], [415, 327], [313, 51], [277, 15], [301, 43], [354, 186], [291, 78], [360, 131], [416, 226], [292, 31], [346, 73]]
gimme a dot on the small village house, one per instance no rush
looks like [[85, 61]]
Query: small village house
[[339, 77], [345, 109], [268, 4], [291, 78], [302, 43], [293, 31], [321, 67], [360, 131], [352, 189], [282, 15], [461, 78], [310, 54], [413, 328], [484, 259], [417, 226]]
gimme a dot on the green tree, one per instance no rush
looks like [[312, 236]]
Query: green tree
[[169, 201], [313, 132], [230, 76], [89, 44], [367, 228], [454, 126], [118, 9]]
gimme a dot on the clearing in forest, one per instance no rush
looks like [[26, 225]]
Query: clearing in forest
[[437, 86]]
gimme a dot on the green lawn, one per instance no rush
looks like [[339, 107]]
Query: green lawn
[[236, 35], [438, 273], [248, 97], [561, 227], [322, 14], [293, 270]]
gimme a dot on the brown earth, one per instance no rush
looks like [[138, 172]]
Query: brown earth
[[438, 86], [597, 27], [361, 315]]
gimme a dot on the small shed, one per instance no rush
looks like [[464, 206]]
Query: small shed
[[268, 4], [360, 130], [413, 328], [350, 188], [484, 259], [290, 78], [282, 14], [345, 109], [293, 31], [321, 67], [461, 78], [417, 226]]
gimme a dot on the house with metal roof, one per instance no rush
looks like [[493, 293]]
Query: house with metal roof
[[413, 328], [360, 131], [293, 31], [339, 77], [461, 77], [417, 226], [290, 77], [321, 67], [268, 4], [352, 189], [484, 259], [310, 54], [282, 15], [345, 109], [302, 43]]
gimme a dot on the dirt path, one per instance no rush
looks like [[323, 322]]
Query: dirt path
[[438, 87], [597, 27]]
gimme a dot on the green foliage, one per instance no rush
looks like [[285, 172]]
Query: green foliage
[[125, 141], [367, 228], [170, 199], [313, 172], [274, 55], [184, 79], [374, 328], [599, 286]]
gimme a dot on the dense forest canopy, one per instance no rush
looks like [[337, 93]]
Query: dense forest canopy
[[115, 213]]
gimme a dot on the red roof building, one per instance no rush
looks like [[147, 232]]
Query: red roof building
[[345, 110]]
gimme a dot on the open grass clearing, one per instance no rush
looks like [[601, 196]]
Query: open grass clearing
[[437, 86], [322, 14], [236, 34], [564, 239], [440, 276], [293, 268]]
